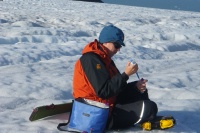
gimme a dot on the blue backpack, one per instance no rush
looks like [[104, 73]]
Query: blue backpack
[[86, 117]]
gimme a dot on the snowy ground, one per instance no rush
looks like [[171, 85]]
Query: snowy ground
[[40, 40]]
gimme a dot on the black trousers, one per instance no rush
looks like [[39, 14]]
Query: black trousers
[[132, 107]]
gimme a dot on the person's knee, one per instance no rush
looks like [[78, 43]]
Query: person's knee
[[154, 107], [150, 110]]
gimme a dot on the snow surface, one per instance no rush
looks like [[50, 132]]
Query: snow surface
[[40, 40]]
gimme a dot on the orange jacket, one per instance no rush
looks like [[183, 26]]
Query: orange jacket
[[96, 77]]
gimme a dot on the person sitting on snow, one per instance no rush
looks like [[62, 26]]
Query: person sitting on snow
[[96, 77]]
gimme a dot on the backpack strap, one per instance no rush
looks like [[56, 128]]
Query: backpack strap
[[64, 126]]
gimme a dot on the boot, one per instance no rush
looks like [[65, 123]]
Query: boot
[[161, 122]]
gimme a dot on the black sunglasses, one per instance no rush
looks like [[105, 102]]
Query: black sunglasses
[[117, 45]]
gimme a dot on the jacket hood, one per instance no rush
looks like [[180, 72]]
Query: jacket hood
[[94, 47]]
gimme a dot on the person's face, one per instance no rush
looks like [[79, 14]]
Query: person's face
[[113, 48]]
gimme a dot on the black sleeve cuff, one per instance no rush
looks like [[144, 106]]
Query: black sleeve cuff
[[125, 76]]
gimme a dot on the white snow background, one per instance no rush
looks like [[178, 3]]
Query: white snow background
[[40, 40]]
